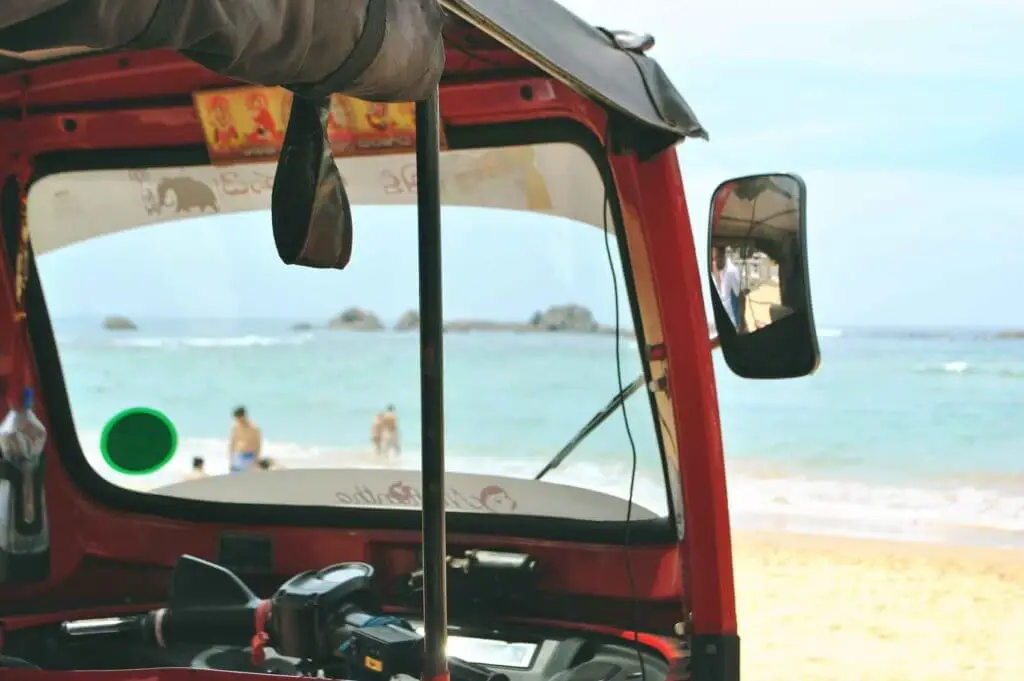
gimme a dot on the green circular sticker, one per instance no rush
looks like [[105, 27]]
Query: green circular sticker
[[138, 441]]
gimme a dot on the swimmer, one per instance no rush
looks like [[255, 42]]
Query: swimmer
[[267, 464], [384, 432], [245, 444], [198, 469]]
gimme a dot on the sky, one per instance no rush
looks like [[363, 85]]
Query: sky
[[905, 120]]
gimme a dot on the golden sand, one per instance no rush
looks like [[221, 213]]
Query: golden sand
[[759, 302], [828, 609]]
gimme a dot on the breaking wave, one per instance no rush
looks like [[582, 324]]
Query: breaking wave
[[954, 511], [213, 342], [962, 367]]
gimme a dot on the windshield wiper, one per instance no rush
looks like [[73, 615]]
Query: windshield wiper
[[599, 418]]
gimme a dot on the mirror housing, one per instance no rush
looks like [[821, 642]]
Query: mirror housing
[[309, 208], [760, 288]]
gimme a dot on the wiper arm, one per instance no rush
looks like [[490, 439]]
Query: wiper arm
[[599, 418]]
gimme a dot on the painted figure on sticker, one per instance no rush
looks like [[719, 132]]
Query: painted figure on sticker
[[225, 134], [339, 125], [378, 117], [265, 130]]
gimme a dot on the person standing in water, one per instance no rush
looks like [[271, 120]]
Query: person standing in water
[[384, 432], [246, 443]]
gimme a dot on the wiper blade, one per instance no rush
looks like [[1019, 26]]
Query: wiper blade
[[599, 418]]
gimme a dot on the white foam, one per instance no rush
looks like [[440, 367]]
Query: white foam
[[840, 507], [213, 341], [962, 367], [612, 479]]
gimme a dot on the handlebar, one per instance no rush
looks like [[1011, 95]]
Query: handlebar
[[166, 628], [106, 626], [323, 618]]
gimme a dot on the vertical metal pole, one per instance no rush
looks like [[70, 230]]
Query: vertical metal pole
[[428, 199]]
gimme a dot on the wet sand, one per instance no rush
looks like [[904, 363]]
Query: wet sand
[[832, 609]]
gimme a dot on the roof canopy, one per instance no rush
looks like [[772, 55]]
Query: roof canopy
[[277, 42]]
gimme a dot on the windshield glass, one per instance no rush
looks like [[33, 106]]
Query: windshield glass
[[166, 294]]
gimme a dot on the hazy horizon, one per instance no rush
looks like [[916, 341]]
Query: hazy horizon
[[389, 320], [910, 221]]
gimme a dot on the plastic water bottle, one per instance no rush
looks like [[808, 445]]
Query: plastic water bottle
[[24, 526]]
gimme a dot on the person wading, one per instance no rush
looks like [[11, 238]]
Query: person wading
[[384, 432], [245, 444]]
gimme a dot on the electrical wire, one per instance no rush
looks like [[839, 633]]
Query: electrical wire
[[629, 432]]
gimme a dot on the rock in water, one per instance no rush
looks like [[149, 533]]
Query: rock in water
[[574, 318], [355, 319], [410, 321], [117, 323]]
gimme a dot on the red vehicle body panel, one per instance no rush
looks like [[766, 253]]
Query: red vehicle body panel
[[103, 558]]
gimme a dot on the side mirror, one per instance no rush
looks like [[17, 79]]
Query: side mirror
[[309, 208], [760, 289]]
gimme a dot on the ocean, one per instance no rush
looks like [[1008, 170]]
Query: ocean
[[904, 435]]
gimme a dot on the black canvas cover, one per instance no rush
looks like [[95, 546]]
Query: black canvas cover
[[598, 62], [388, 50], [273, 42]]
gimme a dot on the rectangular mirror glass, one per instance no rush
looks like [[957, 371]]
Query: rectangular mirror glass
[[757, 262]]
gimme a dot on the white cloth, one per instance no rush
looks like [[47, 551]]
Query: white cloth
[[728, 287]]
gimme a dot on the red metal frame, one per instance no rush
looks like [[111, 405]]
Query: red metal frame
[[106, 555]]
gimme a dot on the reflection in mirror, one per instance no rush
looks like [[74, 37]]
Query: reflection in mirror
[[758, 270], [749, 280]]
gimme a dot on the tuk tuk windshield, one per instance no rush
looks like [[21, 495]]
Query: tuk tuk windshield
[[165, 294]]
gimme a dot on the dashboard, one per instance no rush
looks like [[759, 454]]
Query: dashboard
[[328, 622], [522, 654]]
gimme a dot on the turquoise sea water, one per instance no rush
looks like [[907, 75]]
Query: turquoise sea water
[[899, 434]]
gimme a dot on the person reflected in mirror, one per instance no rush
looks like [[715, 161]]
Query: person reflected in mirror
[[245, 444], [727, 279], [198, 469], [384, 432]]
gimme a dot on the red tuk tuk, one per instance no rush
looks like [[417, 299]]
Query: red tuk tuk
[[225, 578]]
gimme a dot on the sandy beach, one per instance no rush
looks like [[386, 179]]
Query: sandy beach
[[831, 609]]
